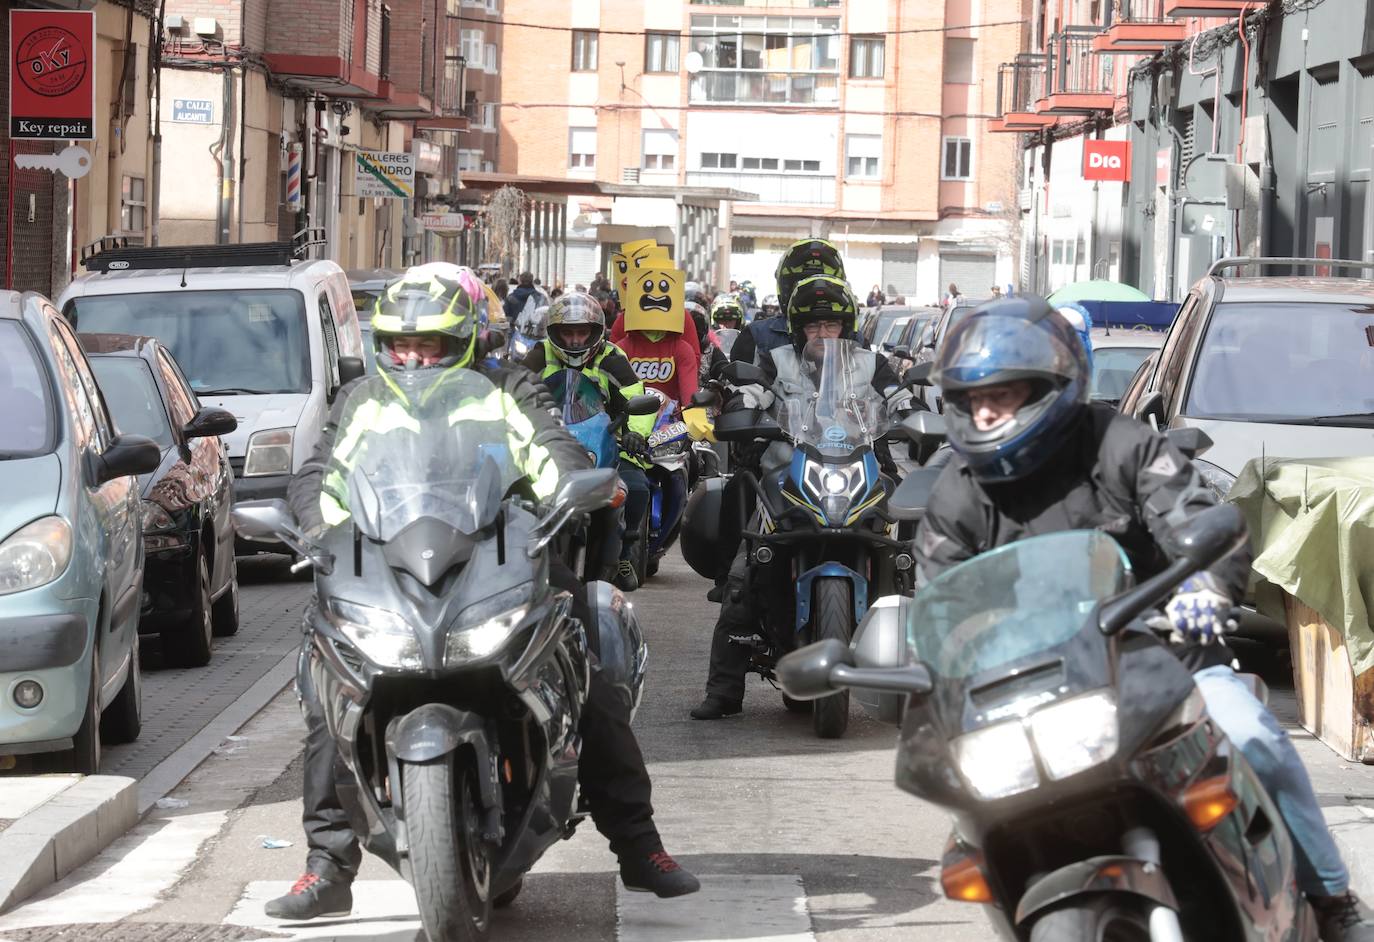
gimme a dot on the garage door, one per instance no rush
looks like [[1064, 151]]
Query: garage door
[[973, 272], [899, 272], [581, 262]]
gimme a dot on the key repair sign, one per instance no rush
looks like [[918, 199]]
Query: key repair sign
[[52, 75], [385, 174]]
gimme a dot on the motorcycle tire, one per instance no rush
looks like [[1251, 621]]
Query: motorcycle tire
[[651, 567], [507, 899], [449, 861], [832, 616], [1104, 918], [796, 706], [640, 555]]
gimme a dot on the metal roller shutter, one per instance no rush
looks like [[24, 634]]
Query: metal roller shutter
[[581, 258], [899, 271], [973, 272]]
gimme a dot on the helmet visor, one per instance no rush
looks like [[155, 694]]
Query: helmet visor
[[990, 348]]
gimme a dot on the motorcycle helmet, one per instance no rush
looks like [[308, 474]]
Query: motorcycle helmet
[[1010, 340], [727, 307], [821, 298], [771, 307], [427, 300], [698, 315], [693, 291], [803, 259], [576, 309]]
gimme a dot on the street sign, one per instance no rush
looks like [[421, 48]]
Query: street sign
[[52, 75], [384, 174], [193, 110], [1108, 161], [444, 222]]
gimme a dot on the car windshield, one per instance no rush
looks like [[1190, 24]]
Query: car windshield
[[844, 412], [1285, 361], [249, 341], [1113, 368], [1014, 602], [894, 333], [131, 393], [26, 419]]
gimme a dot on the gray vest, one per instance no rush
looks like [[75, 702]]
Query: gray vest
[[793, 383]]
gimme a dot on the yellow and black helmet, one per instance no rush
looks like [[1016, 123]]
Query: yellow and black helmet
[[821, 298], [428, 300], [803, 259]]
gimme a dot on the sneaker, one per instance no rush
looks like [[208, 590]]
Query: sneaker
[[312, 896], [1341, 918], [625, 579], [717, 708], [657, 873]]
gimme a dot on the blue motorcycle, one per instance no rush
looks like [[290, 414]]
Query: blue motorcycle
[[670, 451]]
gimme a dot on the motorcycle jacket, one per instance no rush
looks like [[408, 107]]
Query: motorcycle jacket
[[1114, 474], [759, 337], [542, 447]]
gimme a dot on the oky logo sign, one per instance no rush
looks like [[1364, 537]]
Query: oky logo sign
[[1107, 161], [52, 75]]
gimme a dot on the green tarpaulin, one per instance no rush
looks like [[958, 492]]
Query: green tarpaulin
[[1312, 529]]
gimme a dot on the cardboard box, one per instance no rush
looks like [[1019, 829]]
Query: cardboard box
[[1334, 704]]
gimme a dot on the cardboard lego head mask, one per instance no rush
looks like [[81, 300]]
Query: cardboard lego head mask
[[634, 257], [654, 300]]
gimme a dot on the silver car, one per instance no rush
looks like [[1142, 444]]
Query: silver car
[[71, 550]]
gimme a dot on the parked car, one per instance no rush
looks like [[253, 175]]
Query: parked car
[[1280, 366], [1117, 355], [71, 552], [366, 285], [190, 582], [256, 330], [918, 326], [930, 347], [875, 327]]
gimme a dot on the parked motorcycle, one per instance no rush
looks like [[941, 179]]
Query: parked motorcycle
[[452, 675], [1092, 796]]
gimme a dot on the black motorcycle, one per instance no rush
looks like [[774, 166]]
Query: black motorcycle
[[1093, 798], [452, 675]]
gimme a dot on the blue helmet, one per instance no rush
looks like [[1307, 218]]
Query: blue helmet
[[1004, 341]]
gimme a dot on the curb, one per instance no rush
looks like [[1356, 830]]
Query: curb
[[1352, 827], [63, 833]]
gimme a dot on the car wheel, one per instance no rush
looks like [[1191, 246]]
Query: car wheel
[[84, 756], [188, 645], [122, 720], [224, 616]]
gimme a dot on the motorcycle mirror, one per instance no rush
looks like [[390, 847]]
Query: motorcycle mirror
[[1211, 535], [928, 427], [582, 492], [919, 375], [704, 397], [1191, 441], [264, 520], [744, 374], [805, 673], [643, 405], [911, 498]]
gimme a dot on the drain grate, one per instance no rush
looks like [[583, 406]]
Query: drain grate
[[139, 932]]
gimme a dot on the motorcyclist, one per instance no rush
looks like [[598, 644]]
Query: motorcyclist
[[803, 259], [1034, 456], [426, 321], [822, 308], [727, 313], [770, 306], [713, 359], [576, 339]]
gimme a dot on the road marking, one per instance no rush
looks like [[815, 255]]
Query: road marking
[[379, 907], [733, 907]]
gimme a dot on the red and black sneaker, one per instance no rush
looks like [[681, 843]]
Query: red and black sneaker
[[312, 896], [658, 873]]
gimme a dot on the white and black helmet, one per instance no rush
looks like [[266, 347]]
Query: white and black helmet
[[576, 308]]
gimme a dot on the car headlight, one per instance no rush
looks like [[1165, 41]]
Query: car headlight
[[269, 452], [1218, 480], [35, 554], [155, 517], [1076, 734], [485, 626], [383, 637]]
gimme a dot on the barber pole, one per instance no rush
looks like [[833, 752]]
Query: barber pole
[[293, 177]]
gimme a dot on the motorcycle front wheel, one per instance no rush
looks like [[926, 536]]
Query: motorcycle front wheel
[[832, 616], [449, 862], [1105, 918]]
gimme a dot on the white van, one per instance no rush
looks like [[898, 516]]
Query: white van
[[255, 330]]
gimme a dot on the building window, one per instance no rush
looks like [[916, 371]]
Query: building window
[[582, 148], [741, 245], [807, 166], [766, 60], [133, 205], [584, 50], [469, 161], [958, 159], [473, 40], [959, 60], [866, 57], [861, 153], [715, 160], [660, 52], [489, 58], [660, 150]]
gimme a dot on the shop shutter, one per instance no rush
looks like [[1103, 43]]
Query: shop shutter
[[973, 272], [899, 272]]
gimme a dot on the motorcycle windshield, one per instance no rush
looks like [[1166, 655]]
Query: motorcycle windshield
[[424, 444], [726, 337], [580, 396], [842, 412], [531, 323], [1014, 602]]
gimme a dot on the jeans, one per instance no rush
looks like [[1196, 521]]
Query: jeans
[[1253, 730], [636, 504]]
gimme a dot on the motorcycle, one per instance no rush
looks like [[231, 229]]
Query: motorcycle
[[451, 674], [727, 336], [670, 454], [1092, 796], [823, 526], [528, 331]]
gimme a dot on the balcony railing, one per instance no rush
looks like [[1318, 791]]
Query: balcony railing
[[778, 189], [1072, 69], [1136, 11], [384, 68], [1138, 27], [1020, 84], [745, 87]]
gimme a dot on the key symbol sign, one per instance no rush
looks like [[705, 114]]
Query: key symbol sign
[[73, 161]]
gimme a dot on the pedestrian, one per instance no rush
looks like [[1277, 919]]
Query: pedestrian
[[875, 297], [996, 292], [502, 288], [952, 297], [523, 294]]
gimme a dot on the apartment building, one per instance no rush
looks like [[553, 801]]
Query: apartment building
[[860, 122]]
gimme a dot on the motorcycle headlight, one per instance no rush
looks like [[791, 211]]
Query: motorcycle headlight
[[1218, 481], [835, 487], [996, 761], [1075, 734], [483, 627], [35, 554], [383, 637], [269, 452]]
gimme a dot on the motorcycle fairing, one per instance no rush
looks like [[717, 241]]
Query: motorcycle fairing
[[1105, 874], [833, 570]]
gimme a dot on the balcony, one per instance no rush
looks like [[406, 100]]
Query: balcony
[[1140, 28], [743, 87], [1020, 84], [775, 189], [1222, 8], [1076, 81]]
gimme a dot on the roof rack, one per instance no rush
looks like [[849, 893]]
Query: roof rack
[[1222, 264], [115, 254]]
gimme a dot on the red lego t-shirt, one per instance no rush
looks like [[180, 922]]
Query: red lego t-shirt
[[667, 365]]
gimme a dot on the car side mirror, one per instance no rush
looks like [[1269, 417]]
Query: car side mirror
[[888, 347], [919, 375], [644, 405], [350, 368], [744, 374], [902, 350], [1151, 405], [128, 454], [210, 423], [1191, 441]]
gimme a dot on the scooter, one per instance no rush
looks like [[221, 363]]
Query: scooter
[[1092, 796], [451, 673]]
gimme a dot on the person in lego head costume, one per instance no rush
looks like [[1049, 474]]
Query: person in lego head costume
[[633, 258], [659, 350]]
